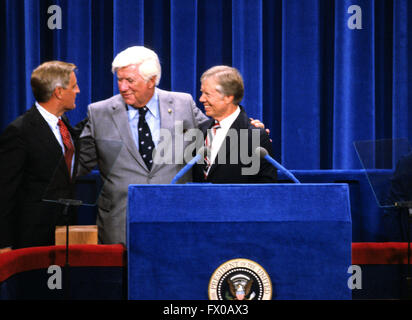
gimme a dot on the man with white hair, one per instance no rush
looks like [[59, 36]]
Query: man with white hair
[[122, 132]]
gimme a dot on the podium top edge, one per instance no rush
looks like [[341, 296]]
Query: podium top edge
[[258, 185]]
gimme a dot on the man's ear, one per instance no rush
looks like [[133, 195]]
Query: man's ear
[[228, 99], [57, 92], [152, 82]]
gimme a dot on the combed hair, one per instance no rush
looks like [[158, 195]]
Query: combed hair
[[146, 59], [49, 75], [229, 79]]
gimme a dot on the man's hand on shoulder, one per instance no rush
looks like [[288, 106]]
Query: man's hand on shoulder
[[260, 125]]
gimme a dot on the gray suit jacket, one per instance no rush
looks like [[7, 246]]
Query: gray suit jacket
[[107, 141]]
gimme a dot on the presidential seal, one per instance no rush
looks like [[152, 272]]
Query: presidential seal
[[240, 279]]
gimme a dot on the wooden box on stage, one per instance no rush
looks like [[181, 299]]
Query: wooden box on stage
[[77, 235]]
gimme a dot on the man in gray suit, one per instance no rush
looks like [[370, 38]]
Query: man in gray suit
[[123, 131], [116, 132]]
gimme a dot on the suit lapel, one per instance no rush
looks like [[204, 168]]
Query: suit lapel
[[121, 121], [167, 111], [41, 129], [47, 141], [230, 146]]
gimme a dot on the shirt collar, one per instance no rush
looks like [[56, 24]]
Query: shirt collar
[[227, 122], [49, 117], [152, 105]]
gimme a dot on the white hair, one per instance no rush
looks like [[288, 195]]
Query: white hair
[[148, 61]]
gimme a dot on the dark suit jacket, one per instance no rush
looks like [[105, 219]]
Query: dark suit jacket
[[33, 169], [232, 173]]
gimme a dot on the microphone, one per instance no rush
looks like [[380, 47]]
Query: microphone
[[263, 153], [203, 151], [66, 202]]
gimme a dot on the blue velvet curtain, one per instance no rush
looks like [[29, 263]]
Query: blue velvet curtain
[[320, 74]]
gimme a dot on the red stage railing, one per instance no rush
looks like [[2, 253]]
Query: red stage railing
[[27, 259], [22, 260]]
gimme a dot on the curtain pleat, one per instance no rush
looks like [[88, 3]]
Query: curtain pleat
[[315, 81], [301, 84], [402, 70], [32, 41], [183, 46], [78, 30], [354, 83], [101, 54], [13, 61], [272, 72], [128, 27], [247, 51]]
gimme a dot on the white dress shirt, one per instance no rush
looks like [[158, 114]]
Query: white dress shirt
[[52, 121], [221, 133]]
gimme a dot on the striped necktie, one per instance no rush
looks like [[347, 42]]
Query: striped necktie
[[208, 143]]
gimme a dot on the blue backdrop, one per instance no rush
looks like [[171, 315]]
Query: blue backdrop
[[320, 74]]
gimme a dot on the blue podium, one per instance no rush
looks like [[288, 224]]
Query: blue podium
[[179, 235]]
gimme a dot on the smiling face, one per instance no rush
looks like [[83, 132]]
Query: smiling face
[[135, 91], [217, 105]]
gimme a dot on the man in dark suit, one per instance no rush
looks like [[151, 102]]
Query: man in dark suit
[[37, 159], [229, 135]]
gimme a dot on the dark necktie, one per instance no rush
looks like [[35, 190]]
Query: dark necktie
[[68, 145], [146, 145]]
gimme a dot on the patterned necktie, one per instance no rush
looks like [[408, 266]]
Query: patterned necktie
[[146, 145], [68, 145], [208, 143]]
